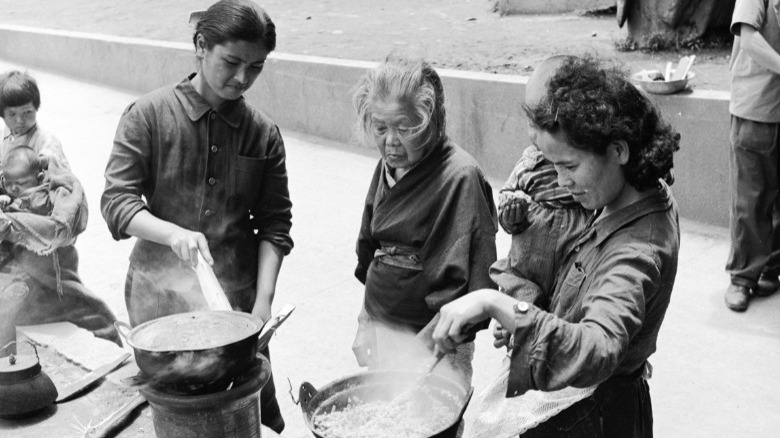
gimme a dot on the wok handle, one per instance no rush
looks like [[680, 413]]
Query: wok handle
[[306, 394], [119, 325]]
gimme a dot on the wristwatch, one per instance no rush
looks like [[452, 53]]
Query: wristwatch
[[521, 307]]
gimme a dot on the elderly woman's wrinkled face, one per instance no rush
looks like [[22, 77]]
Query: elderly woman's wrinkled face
[[393, 124], [20, 119], [594, 181]]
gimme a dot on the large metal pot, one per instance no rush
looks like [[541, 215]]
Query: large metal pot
[[194, 347], [386, 385]]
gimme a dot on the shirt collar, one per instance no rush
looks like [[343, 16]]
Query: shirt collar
[[661, 200], [389, 176], [196, 106]]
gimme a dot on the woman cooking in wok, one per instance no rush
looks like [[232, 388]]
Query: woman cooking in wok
[[429, 222], [212, 171], [613, 152]]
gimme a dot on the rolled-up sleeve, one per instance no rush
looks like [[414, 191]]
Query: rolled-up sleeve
[[551, 353], [751, 12], [272, 213], [126, 171]]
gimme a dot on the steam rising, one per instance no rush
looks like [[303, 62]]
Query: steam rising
[[395, 399]]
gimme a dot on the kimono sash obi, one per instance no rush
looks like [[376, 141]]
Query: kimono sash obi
[[400, 256]]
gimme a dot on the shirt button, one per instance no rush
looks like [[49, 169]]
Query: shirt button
[[212, 181], [577, 249], [214, 148], [213, 116], [209, 212]]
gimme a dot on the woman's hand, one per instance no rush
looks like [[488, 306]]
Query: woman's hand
[[459, 314], [186, 244], [364, 345], [469, 310]]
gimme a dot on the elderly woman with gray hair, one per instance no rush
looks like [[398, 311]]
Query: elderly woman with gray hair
[[429, 223]]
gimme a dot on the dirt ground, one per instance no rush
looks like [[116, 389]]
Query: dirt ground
[[455, 34]]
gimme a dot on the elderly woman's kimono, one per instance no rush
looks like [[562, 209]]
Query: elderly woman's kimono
[[39, 281], [428, 239]]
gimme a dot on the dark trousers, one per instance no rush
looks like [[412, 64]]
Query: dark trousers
[[146, 301], [755, 218], [619, 408]]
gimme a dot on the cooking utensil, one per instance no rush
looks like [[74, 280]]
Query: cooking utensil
[[98, 373], [682, 67], [269, 328], [382, 385], [438, 355], [209, 285], [194, 347], [102, 429], [24, 387]]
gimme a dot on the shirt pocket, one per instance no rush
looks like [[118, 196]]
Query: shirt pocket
[[754, 136], [571, 287], [247, 180]]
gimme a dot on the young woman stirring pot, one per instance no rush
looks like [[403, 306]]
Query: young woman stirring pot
[[613, 152], [212, 171]]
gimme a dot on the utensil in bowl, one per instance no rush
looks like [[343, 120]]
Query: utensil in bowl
[[659, 86]]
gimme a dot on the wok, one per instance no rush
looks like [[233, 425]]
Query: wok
[[194, 347], [383, 385]]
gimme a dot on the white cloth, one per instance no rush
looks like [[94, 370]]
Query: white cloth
[[501, 417]]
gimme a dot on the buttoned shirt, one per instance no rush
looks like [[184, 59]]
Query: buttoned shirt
[[609, 300], [218, 171]]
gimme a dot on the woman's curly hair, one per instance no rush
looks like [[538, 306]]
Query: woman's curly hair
[[594, 105]]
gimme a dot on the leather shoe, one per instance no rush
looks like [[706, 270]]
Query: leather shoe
[[767, 285], [737, 297]]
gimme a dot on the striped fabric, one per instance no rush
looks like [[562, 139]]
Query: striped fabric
[[536, 177]]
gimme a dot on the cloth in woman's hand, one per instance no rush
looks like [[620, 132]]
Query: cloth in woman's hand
[[501, 416]]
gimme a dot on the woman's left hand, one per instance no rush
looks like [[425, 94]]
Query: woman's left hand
[[459, 314]]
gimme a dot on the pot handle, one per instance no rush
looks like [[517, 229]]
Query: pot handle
[[119, 325], [305, 394]]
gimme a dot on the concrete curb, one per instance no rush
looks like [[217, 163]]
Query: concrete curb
[[484, 115]]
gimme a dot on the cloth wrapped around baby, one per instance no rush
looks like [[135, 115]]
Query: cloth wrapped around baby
[[39, 281]]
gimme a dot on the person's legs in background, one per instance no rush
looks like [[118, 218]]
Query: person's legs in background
[[769, 282], [754, 182]]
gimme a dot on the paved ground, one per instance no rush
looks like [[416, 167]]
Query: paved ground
[[716, 372]]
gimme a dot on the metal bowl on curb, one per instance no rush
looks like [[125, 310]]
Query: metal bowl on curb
[[337, 395], [661, 86]]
